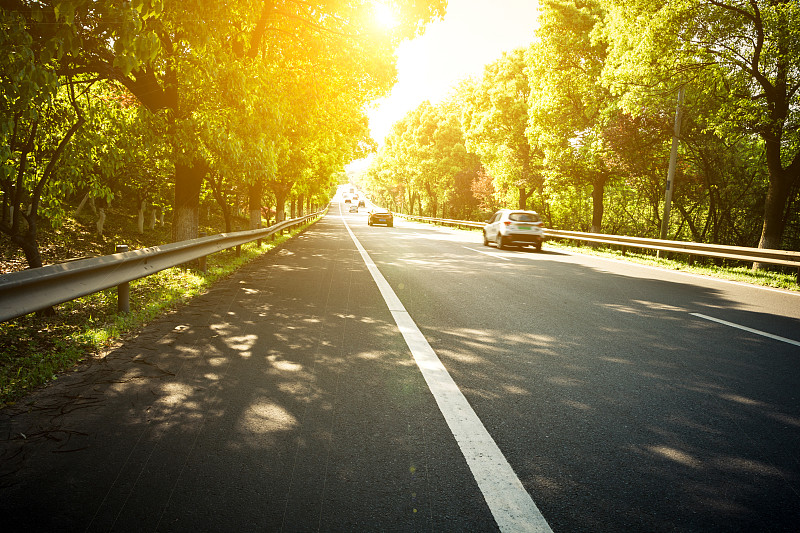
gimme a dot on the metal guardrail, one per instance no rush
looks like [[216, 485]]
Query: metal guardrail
[[740, 253], [464, 223], [31, 290]]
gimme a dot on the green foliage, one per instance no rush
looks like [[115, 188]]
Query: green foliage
[[579, 125], [243, 93], [423, 159], [495, 117], [742, 60]]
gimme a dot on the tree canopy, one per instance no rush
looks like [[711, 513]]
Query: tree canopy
[[240, 97], [745, 56], [255, 107], [583, 118]]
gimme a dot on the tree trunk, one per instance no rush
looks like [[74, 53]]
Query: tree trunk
[[152, 224], [293, 207], [101, 220], [780, 179], [598, 208], [300, 203], [30, 247], [774, 206], [524, 194], [140, 218], [186, 214], [255, 192], [280, 206], [83, 203]]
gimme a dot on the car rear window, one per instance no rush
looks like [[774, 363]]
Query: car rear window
[[524, 217]]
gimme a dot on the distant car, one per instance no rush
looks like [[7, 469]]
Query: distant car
[[511, 227], [353, 208], [380, 216], [361, 203]]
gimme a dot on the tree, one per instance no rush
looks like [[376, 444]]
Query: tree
[[744, 54], [495, 117], [568, 108], [422, 158], [439, 153], [43, 101], [187, 62]]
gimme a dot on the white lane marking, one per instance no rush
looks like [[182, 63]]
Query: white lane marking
[[490, 254], [511, 505], [745, 328]]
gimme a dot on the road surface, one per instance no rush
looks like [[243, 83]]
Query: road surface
[[410, 379]]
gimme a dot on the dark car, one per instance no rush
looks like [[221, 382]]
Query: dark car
[[380, 216]]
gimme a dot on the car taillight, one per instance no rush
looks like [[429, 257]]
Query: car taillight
[[507, 222]]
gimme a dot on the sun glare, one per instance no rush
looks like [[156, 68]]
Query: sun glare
[[384, 15]]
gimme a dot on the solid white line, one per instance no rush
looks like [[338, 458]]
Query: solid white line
[[511, 505], [490, 254], [745, 328]]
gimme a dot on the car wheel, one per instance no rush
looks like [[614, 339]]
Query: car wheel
[[538, 247], [390, 224], [499, 241], [485, 239]]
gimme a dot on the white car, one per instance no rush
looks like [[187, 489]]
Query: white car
[[514, 227]]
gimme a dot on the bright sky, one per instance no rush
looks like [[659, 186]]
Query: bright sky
[[472, 34]]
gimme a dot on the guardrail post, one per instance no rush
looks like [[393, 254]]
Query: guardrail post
[[238, 246], [201, 262], [123, 289]]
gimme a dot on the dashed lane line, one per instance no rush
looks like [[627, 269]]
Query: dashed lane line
[[745, 328], [490, 254]]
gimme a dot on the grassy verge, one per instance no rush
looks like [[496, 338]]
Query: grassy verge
[[34, 349], [745, 274]]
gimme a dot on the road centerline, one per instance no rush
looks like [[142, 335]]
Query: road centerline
[[510, 504], [745, 328]]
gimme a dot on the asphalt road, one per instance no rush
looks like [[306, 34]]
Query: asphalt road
[[286, 399]]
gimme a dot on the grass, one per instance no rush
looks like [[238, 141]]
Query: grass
[[35, 349], [779, 279]]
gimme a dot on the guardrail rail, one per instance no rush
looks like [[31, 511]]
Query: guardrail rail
[[739, 253], [35, 289]]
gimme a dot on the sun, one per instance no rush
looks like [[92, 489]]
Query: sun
[[384, 15]]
